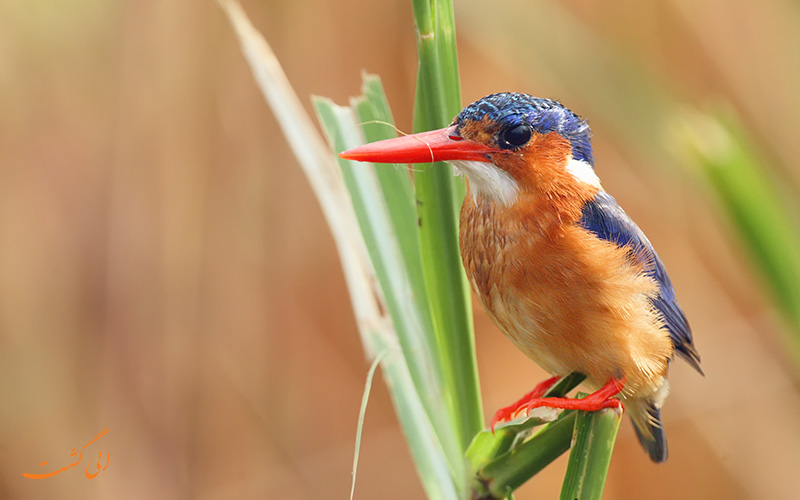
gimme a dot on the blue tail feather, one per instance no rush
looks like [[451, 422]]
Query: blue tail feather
[[653, 438]]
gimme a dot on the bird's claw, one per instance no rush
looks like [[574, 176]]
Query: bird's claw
[[598, 400], [508, 413]]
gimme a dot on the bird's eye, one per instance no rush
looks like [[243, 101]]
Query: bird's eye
[[515, 137]]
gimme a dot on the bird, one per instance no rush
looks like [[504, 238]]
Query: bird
[[554, 260]]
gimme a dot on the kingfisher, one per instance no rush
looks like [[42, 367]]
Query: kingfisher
[[557, 264]]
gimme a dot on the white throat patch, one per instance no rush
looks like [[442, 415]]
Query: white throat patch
[[488, 180], [583, 172]]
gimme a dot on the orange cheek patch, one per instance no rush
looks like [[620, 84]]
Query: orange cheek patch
[[547, 156]]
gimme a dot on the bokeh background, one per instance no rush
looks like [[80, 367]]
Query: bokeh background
[[166, 273]]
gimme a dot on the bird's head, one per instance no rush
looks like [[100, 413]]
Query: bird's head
[[505, 144]]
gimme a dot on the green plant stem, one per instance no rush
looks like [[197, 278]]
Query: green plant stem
[[497, 479], [399, 272], [595, 434], [488, 446], [438, 196], [419, 344]]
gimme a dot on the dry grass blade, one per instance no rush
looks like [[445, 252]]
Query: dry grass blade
[[376, 328], [320, 168]]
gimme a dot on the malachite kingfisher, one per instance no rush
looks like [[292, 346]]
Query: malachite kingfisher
[[557, 264]]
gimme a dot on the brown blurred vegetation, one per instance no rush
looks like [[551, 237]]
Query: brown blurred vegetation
[[166, 272]]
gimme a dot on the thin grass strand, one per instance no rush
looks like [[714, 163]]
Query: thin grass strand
[[362, 414]]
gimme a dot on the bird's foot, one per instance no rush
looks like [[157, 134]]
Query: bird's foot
[[508, 413], [598, 400]]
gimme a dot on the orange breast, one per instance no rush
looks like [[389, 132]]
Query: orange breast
[[568, 300]]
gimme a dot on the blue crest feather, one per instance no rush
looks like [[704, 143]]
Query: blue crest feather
[[543, 115]]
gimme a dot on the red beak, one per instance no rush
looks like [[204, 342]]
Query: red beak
[[425, 147]]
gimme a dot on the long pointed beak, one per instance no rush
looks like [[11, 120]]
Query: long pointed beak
[[425, 147]]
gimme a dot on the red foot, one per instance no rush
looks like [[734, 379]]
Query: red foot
[[508, 412], [602, 398]]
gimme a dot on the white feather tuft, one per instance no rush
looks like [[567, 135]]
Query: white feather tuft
[[486, 179], [583, 172]]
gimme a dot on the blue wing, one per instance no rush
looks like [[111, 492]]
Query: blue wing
[[606, 219]]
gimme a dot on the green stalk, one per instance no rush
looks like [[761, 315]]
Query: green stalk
[[509, 471], [374, 116], [409, 371], [595, 434], [438, 100], [419, 344], [385, 211], [488, 446]]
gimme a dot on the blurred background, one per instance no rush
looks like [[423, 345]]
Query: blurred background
[[166, 273]]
